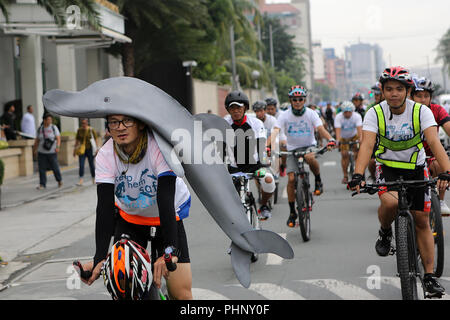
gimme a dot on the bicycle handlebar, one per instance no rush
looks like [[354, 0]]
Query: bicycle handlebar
[[303, 153], [375, 187], [83, 273]]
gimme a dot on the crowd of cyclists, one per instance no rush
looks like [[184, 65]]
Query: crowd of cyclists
[[395, 133], [398, 137]]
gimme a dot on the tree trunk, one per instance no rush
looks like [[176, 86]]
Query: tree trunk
[[128, 59]]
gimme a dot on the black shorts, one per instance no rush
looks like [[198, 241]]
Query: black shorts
[[141, 235], [419, 198]]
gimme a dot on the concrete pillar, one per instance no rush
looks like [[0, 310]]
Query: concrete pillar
[[31, 75], [67, 80], [95, 73]]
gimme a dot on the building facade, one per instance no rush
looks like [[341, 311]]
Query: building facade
[[37, 55]]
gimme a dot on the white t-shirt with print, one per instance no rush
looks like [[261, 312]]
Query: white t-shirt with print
[[299, 131], [348, 126], [135, 190], [270, 123], [400, 128]]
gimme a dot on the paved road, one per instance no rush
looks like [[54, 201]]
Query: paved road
[[338, 263]]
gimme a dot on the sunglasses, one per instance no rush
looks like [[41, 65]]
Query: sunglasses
[[298, 99]]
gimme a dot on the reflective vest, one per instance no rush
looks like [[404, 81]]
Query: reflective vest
[[385, 143]]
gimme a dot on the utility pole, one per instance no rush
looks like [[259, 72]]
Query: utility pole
[[272, 62]]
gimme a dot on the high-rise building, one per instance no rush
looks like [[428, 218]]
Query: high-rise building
[[296, 16], [364, 65]]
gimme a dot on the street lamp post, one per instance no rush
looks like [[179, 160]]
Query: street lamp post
[[189, 84]]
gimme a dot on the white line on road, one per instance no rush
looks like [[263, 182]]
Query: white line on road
[[285, 193], [273, 259], [275, 292], [205, 294], [329, 164], [344, 290]]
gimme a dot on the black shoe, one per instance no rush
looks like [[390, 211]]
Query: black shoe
[[291, 221], [318, 190], [432, 287], [383, 245]]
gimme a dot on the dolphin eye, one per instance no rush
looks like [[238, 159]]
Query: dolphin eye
[[107, 99]]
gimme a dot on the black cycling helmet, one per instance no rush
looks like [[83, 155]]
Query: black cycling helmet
[[271, 102], [238, 98], [259, 105]]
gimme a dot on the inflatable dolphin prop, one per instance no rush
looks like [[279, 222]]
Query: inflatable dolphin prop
[[165, 116]]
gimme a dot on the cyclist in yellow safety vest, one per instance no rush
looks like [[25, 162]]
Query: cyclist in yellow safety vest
[[401, 125]]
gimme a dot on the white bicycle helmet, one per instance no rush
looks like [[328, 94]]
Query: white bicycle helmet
[[127, 271], [347, 106]]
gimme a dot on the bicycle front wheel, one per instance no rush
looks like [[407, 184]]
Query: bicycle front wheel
[[406, 257], [304, 218], [438, 233]]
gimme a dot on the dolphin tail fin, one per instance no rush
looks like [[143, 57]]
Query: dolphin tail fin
[[240, 260], [264, 241]]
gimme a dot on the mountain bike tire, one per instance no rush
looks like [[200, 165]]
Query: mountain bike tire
[[406, 257], [304, 217], [438, 233], [351, 167]]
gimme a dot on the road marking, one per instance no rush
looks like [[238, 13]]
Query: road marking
[[329, 164], [342, 289], [285, 195], [205, 294], [273, 259], [275, 292]]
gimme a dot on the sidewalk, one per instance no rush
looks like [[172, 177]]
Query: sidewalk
[[21, 190], [37, 221]]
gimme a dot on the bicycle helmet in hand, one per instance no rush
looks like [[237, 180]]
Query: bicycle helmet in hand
[[297, 91], [237, 97], [127, 271], [397, 73]]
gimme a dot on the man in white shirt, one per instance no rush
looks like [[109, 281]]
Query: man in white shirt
[[348, 126], [400, 125], [28, 124], [299, 124]]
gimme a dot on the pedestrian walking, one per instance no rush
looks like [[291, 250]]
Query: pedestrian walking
[[85, 147], [28, 125], [46, 147], [8, 122]]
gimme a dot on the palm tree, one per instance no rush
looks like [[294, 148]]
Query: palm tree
[[168, 27]]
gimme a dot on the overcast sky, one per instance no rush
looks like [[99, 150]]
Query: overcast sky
[[407, 30]]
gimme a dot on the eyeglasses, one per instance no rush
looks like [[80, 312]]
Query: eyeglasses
[[115, 124], [298, 99]]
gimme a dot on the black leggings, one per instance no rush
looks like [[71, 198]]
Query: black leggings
[[141, 235]]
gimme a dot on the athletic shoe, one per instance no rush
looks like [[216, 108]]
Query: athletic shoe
[[264, 213], [383, 244], [291, 221], [432, 287], [318, 190]]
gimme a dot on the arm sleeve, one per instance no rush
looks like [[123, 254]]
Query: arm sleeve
[[105, 221], [165, 197]]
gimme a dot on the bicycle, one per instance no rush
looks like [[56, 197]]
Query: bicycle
[[154, 293], [437, 229], [352, 160], [408, 258], [242, 182], [303, 194]]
